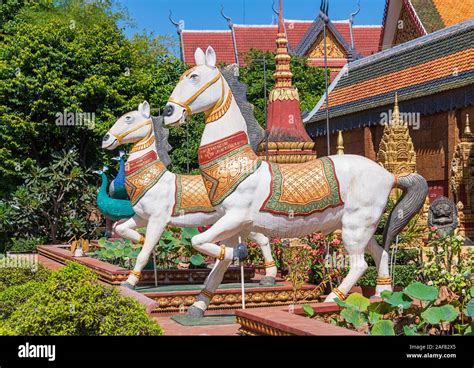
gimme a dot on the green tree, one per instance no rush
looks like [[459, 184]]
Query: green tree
[[72, 56], [54, 203]]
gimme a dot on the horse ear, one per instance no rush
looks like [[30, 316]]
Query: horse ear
[[144, 109], [140, 106], [210, 57], [199, 57]]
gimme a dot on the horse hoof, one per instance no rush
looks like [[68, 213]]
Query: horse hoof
[[195, 312], [127, 285], [268, 281], [241, 252]]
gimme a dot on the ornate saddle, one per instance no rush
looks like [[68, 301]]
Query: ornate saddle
[[302, 189], [191, 195], [225, 164], [142, 174]]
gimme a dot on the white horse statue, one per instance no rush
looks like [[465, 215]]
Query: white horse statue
[[160, 198], [347, 192]]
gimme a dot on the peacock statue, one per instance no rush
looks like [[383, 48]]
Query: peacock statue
[[117, 188], [111, 208]]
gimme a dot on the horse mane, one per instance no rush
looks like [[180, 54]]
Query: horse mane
[[161, 139], [255, 132]]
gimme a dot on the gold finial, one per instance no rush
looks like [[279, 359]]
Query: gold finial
[[340, 144], [396, 112], [467, 127], [283, 88]]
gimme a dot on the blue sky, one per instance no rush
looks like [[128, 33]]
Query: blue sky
[[152, 15]]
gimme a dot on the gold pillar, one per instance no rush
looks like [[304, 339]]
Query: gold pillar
[[461, 181]]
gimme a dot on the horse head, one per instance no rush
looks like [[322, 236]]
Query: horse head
[[200, 89], [131, 127]]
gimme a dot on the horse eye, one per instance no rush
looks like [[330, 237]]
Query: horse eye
[[193, 76], [128, 119]]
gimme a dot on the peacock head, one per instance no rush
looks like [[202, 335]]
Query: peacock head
[[100, 172], [119, 157]]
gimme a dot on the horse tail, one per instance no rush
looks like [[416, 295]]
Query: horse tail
[[415, 190]]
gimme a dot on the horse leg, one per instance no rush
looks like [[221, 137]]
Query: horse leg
[[210, 285], [228, 226], [155, 228], [355, 237], [381, 257], [270, 267], [127, 229]]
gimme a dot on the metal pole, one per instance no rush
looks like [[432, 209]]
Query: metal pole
[[242, 278], [265, 102], [187, 149], [154, 269], [327, 93], [265, 88]]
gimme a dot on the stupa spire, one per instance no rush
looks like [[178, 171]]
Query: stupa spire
[[287, 137]]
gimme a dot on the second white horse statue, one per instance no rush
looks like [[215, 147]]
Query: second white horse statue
[[160, 198]]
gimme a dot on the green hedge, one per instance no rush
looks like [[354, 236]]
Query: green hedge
[[12, 276], [72, 302], [15, 296], [403, 275]]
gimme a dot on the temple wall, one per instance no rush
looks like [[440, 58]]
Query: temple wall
[[354, 143], [434, 142], [431, 147]]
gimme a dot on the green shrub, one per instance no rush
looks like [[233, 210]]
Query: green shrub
[[397, 314], [6, 331], [14, 296], [55, 201], [12, 276], [405, 256], [403, 275], [24, 245], [73, 302]]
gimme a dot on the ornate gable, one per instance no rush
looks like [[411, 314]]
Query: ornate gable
[[334, 47], [406, 28]]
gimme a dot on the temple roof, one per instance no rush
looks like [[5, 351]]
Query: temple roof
[[431, 73], [263, 37], [427, 16]]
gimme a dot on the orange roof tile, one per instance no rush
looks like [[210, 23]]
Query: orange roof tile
[[454, 11]]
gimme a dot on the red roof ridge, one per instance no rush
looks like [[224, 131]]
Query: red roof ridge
[[206, 30], [367, 26]]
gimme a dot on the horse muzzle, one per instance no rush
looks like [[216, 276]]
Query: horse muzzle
[[109, 142], [174, 115]]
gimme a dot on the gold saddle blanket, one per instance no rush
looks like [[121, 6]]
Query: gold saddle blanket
[[225, 164], [302, 189], [142, 174], [191, 195]]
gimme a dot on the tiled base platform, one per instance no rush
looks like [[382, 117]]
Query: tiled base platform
[[177, 298]]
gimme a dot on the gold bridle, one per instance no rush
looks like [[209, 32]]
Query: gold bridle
[[120, 137], [219, 108]]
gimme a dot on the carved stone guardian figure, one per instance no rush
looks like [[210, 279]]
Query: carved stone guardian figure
[[443, 215]]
